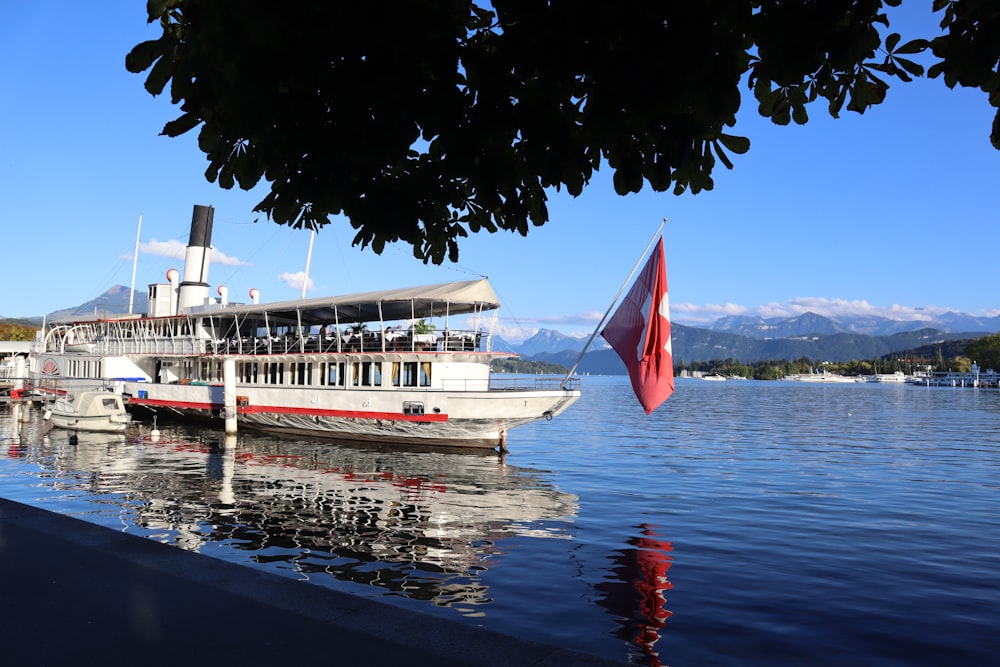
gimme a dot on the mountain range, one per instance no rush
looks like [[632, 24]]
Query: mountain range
[[751, 339], [746, 339], [813, 324]]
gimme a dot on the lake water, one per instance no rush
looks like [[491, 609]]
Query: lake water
[[742, 523]]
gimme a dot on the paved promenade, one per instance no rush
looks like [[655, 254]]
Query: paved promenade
[[76, 593]]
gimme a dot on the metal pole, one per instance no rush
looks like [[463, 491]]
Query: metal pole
[[135, 261], [229, 393], [305, 279]]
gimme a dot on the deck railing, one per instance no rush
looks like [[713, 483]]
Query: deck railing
[[390, 341], [532, 383]]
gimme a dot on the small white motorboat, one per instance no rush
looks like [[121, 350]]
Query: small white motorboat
[[102, 411]]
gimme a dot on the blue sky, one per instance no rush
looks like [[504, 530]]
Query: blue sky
[[891, 213]]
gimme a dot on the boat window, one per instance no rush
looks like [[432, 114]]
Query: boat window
[[303, 374], [367, 373], [409, 373], [276, 373], [425, 374], [248, 372]]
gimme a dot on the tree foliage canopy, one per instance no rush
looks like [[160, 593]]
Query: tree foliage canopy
[[423, 122], [985, 351]]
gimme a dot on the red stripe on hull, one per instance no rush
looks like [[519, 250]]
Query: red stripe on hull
[[312, 412]]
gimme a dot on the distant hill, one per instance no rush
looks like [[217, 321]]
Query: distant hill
[[547, 340], [756, 327], [112, 302], [19, 321], [693, 344]]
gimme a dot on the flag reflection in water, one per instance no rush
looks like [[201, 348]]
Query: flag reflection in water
[[637, 594]]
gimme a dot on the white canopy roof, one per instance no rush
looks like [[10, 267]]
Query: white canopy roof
[[456, 298]]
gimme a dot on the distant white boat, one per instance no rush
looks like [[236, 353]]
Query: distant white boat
[[102, 411], [822, 376], [714, 377], [898, 376]]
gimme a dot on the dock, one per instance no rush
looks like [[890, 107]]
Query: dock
[[76, 591]]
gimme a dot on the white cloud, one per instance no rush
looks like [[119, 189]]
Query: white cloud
[[706, 314], [689, 313], [175, 249], [294, 280], [221, 258]]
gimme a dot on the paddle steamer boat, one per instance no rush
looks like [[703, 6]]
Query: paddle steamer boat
[[385, 366]]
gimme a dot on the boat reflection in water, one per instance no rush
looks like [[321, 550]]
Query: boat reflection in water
[[421, 525]]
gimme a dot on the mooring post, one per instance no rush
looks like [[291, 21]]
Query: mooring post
[[229, 394], [20, 373]]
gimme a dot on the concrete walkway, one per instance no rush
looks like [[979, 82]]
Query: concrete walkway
[[73, 593]]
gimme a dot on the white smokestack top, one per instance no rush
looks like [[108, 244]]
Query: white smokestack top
[[194, 288], [173, 276], [254, 295], [223, 295]]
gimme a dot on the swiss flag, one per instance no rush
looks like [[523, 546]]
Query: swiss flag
[[639, 332]]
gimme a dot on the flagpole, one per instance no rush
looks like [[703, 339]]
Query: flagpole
[[613, 302], [305, 279], [135, 261]]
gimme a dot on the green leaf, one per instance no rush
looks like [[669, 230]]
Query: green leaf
[[735, 144], [156, 8], [226, 178], [143, 55], [913, 46], [179, 126], [159, 75], [916, 69], [722, 154], [208, 139], [627, 180], [891, 41], [782, 115], [249, 169], [799, 114], [995, 134]]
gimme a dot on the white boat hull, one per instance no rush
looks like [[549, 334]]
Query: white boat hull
[[93, 411], [102, 424], [460, 419]]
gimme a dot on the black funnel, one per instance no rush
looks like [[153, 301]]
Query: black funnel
[[201, 226]]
